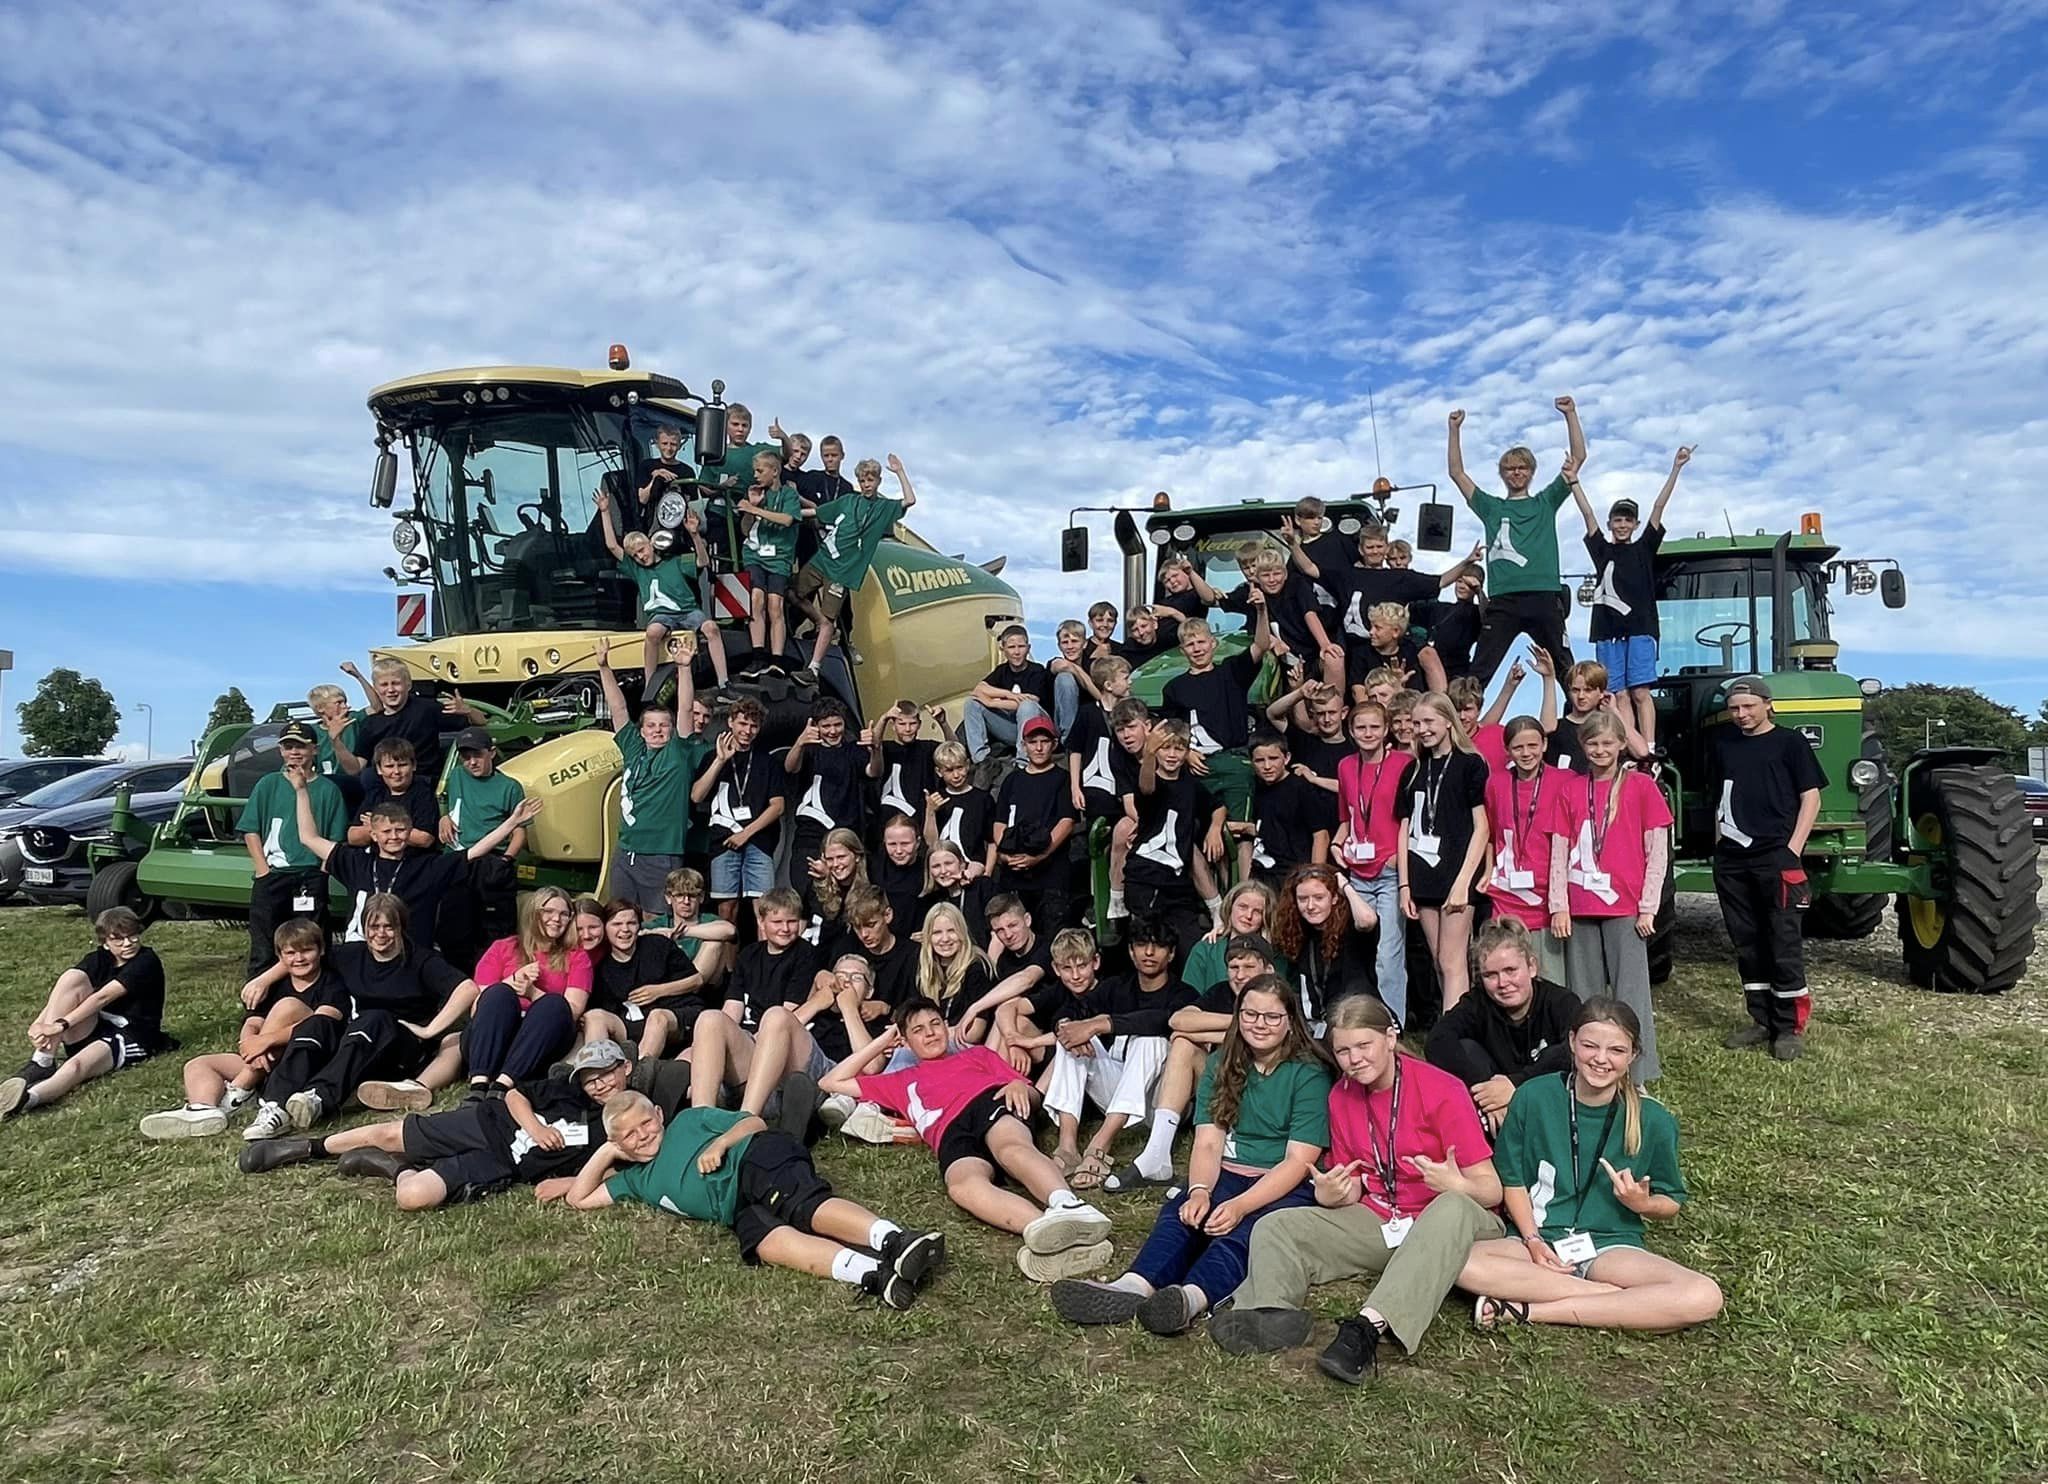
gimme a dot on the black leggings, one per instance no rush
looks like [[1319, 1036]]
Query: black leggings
[[503, 1039], [1539, 615]]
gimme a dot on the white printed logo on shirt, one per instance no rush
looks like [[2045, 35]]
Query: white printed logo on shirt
[[1583, 867], [1198, 735], [1354, 618], [353, 933], [1098, 775], [813, 806], [1164, 848], [828, 537], [920, 1115], [273, 845], [1724, 817], [1503, 548], [725, 814], [1605, 596], [893, 796], [1516, 883]]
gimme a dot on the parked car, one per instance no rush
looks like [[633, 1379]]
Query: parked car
[[25, 775], [46, 861], [2035, 792], [159, 775]]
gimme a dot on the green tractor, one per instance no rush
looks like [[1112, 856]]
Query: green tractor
[[1948, 839]]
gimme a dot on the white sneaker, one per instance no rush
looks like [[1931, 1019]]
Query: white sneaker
[[406, 1096], [836, 1109], [235, 1098], [1061, 1227], [303, 1109], [185, 1123], [270, 1121], [1073, 1262], [869, 1124]]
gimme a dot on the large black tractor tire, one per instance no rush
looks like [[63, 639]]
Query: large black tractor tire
[[116, 886], [1978, 939], [1662, 945], [1856, 915]]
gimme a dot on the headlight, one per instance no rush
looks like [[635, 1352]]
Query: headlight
[[1863, 772], [405, 538], [663, 542], [671, 509], [1871, 687]]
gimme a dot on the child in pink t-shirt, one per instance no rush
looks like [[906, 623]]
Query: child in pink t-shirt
[[1408, 1190], [1608, 858], [1521, 808], [537, 986], [970, 1106]]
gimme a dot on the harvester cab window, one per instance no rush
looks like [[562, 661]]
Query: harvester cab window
[[1711, 627]]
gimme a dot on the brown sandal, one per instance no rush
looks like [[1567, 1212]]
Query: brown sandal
[[1066, 1161], [1090, 1172]]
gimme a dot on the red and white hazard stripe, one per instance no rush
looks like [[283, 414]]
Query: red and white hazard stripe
[[412, 615], [733, 598]]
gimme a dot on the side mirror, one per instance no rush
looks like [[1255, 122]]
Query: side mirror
[[384, 480], [1433, 527], [710, 438], [1074, 549], [1891, 587]]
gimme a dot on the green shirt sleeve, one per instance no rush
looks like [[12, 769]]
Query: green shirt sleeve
[[1202, 1091], [1308, 1120], [1555, 493], [250, 821], [1511, 1149], [629, 1185], [1660, 1152]]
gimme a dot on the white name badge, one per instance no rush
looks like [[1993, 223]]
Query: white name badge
[[1599, 883], [304, 902], [1521, 880], [1429, 847], [1358, 852], [1394, 1231], [574, 1135], [1575, 1247], [634, 1013]]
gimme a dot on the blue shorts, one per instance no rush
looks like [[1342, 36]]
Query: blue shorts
[[680, 623], [748, 872], [1628, 662]]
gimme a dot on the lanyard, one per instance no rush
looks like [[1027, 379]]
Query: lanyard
[[1432, 789], [1581, 1181], [740, 780], [1596, 817], [397, 869], [1525, 825], [1361, 824], [1389, 1171]]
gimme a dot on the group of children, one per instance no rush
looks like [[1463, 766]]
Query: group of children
[[935, 968]]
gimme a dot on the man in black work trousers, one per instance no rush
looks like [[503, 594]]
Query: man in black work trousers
[[1768, 783]]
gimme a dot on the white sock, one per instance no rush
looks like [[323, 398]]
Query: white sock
[[1062, 1200], [880, 1232], [850, 1266], [1116, 905], [1156, 1159], [33, 1097], [1132, 1283], [1215, 906], [1198, 1301], [44, 1058]]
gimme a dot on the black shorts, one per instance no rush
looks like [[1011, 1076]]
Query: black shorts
[[761, 580], [779, 1186], [126, 1049], [967, 1135], [458, 1147]]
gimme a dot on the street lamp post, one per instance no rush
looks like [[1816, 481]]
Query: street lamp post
[[149, 729], [1927, 730]]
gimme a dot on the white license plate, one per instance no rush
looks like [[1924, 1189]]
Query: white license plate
[[40, 876]]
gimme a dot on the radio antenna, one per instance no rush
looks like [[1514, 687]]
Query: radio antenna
[[1373, 413], [1730, 522]]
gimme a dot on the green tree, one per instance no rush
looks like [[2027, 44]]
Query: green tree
[[1912, 715], [69, 716], [228, 709]]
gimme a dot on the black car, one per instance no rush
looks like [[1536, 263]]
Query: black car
[[47, 859], [19, 776], [2035, 792], [97, 786]]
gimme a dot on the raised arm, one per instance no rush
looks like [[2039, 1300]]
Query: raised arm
[[707, 779], [518, 819], [604, 516], [1571, 478], [1456, 458], [309, 828], [1262, 621], [903, 478], [348, 667], [793, 760], [1573, 431], [614, 698], [1678, 461], [1493, 714], [1296, 552], [845, 1077]]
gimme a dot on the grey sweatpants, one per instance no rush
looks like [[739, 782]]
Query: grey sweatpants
[[1604, 955]]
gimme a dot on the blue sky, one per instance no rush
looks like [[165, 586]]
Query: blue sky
[[1050, 257]]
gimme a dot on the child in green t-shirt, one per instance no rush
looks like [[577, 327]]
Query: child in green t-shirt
[[476, 799], [769, 551], [850, 527], [667, 588], [713, 1165]]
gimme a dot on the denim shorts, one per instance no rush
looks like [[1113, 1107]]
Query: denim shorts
[[748, 872], [1629, 662], [680, 623]]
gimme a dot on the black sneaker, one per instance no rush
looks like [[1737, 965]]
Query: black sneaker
[[1080, 1301], [1166, 1311], [374, 1164], [33, 1071], [478, 1092], [269, 1154], [1354, 1352], [887, 1286], [799, 1093], [914, 1256], [1745, 1036], [1786, 1047]]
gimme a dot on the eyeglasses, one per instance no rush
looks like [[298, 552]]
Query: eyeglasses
[[1263, 1017]]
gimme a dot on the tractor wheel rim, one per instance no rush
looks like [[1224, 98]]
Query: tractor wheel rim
[[1928, 917]]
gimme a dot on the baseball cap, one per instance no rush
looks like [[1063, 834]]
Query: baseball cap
[[1623, 507], [473, 739], [595, 1056], [1039, 724], [1249, 943], [298, 732], [1748, 685]]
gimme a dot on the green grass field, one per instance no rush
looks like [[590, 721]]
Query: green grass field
[[1874, 1212]]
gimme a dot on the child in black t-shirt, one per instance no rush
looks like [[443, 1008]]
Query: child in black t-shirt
[[828, 781], [1389, 645], [1624, 623], [644, 986], [1008, 696], [959, 814], [1301, 622], [897, 869], [1107, 773], [1442, 843], [1290, 817], [398, 781], [103, 1014], [1034, 819], [902, 761], [779, 980], [1178, 834], [396, 710], [1142, 640]]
